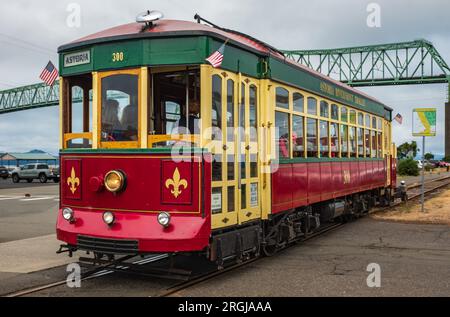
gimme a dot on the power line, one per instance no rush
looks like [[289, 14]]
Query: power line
[[39, 51], [27, 43]]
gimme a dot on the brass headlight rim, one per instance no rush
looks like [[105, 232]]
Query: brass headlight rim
[[122, 179]]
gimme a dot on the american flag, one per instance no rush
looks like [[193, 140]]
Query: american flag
[[399, 118], [216, 58], [49, 74]]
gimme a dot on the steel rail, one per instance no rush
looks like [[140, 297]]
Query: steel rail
[[208, 276], [95, 273]]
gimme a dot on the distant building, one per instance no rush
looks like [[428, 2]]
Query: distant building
[[20, 159]]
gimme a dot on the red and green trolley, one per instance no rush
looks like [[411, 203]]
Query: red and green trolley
[[164, 153]]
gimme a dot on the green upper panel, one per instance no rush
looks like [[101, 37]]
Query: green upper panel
[[289, 73], [191, 47]]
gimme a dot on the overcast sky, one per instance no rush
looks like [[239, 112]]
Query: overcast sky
[[31, 31]]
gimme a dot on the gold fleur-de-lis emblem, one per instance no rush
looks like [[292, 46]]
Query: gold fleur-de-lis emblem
[[177, 183], [73, 181]]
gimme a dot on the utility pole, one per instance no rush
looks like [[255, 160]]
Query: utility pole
[[423, 174]]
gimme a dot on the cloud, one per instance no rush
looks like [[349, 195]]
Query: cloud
[[284, 24]]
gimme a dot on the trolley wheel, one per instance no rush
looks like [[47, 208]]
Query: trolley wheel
[[269, 250]]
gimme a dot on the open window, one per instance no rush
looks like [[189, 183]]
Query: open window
[[77, 111], [175, 111]]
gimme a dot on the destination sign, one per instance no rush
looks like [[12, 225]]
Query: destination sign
[[342, 94], [75, 59]]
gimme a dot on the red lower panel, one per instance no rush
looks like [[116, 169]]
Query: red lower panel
[[326, 181], [314, 189], [282, 199], [184, 234], [299, 184]]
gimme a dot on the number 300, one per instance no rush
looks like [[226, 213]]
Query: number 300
[[117, 57]]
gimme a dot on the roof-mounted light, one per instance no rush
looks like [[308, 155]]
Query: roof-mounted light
[[149, 17]]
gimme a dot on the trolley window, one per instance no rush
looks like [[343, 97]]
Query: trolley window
[[353, 117], [380, 144], [361, 119], [352, 138], [334, 112], [360, 142], [334, 135], [298, 136], [367, 142], [344, 140], [324, 139], [282, 98], [253, 113], [299, 102], [77, 111], [282, 123], [312, 138], [216, 111], [312, 106], [230, 111], [119, 110], [344, 114], [367, 121], [324, 109], [374, 144]]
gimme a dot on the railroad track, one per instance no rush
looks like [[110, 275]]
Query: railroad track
[[414, 192], [208, 276], [97, 272]]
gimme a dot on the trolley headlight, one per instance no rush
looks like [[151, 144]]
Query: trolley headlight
[[68, 214], [164, 219], [115, 181], [109, 218]]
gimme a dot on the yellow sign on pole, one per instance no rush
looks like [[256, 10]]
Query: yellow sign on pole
[[424, 122]]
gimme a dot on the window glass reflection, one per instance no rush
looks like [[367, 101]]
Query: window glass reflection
[[119, 108]]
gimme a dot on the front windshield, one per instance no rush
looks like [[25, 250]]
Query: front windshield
[[119, 108]]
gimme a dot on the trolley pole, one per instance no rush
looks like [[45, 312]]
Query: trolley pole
[[423, 174]]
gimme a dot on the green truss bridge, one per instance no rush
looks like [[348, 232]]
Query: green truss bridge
[[29, 97], [409, 63]]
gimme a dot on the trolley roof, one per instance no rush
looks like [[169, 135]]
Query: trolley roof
[[280, 68]]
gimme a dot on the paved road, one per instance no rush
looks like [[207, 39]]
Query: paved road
[[24, 217], [414, 261]]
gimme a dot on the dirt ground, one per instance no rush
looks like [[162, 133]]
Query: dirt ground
[[437, 211]]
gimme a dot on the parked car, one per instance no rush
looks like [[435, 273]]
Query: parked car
[[435, 163], [31, 172], [443, 164], [419, 164], [4, 172]]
